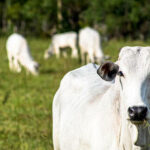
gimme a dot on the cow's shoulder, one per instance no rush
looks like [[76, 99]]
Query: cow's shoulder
[[81, 77], [83, 82]]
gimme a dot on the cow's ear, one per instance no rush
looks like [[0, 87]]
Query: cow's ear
[[108, 71]]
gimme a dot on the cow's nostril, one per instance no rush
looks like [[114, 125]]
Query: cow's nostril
[[131, 111], [137, 113]]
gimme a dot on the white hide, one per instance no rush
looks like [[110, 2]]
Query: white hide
[[63, 40], [92, 114], [90, 44], [19, 54]]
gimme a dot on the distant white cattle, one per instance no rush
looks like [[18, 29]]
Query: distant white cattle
[[19, 54], [105, 108], [63, 40], [90, 44]]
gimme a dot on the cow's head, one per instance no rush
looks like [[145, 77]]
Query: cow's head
[[33, 67], [131, 77], [48, 54], [131, 74]]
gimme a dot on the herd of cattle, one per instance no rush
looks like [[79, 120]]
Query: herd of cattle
[[104, 107], [89, 42]]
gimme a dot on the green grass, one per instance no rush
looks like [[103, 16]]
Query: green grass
[[26, 101]]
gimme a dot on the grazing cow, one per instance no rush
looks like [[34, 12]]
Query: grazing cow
[[105, 108], [89, 43], [19, 54], [63, 40]]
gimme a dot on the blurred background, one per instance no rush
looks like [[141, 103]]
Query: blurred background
[[26, 100], [115, 18]]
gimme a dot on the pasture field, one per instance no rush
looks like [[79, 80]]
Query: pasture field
[[26, 101]]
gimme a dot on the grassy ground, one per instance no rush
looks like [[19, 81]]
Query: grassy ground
[[25, 100]]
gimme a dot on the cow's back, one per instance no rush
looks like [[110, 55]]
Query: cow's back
[[72, 106], [64, 39], [89, 38], [16, 43]]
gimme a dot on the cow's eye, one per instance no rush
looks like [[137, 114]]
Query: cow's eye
[[120, 74]]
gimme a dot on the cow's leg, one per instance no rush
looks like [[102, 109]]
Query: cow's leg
[[87, 58], [91, 58], [82, 58], [74, 52], [17, 65], [57, 52], [11, 65]]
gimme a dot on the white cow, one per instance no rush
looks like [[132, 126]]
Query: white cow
[[90, 44], [63, 40], [19, 54], [105, 108]]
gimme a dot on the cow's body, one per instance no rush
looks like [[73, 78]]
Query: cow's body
[[19, 54], [74, 129], [62, 40], [89, 42], [90, 113]]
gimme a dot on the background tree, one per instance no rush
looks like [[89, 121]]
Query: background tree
[[115, 18]]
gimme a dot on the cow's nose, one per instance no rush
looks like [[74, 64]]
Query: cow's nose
[[137, 113]]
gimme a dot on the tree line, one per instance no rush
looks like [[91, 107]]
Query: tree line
[[113, 18]]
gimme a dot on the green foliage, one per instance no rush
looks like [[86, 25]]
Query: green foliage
[[121, 18], [71, 11], [26, 16]]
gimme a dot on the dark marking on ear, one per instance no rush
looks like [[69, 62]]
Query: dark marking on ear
[[108, 71]]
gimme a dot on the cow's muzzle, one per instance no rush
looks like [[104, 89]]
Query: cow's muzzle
[[137, 113]]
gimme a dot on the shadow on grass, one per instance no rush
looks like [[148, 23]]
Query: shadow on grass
[[6, 97], [48, 71]]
